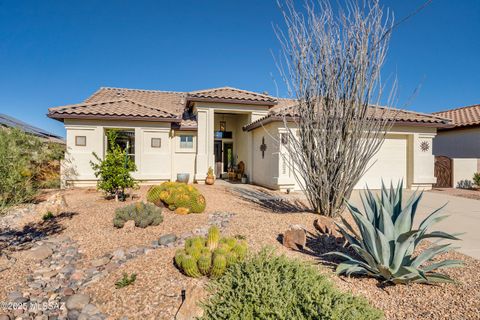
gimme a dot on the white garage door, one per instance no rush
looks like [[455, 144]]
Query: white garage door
[[389, 164]]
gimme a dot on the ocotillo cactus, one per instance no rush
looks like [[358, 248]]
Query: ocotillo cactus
[[219, 265], [189, 266], [213, 237]]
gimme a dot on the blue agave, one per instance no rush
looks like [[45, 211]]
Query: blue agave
[[385, 240]]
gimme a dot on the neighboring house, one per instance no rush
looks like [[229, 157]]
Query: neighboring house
[[10, 122], [187, 132], [460, 143]]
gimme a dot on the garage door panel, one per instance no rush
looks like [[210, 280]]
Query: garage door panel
[[389, 164]]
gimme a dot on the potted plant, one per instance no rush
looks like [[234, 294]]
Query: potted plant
[[210, 177], [183, 177], [244, 178]]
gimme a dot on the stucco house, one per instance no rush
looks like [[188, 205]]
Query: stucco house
[[169, 132], [458, 146]]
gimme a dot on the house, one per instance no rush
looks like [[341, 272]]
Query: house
[[11, 122], [457, 147], [167, 133]]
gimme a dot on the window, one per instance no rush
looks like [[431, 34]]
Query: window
[[126, 140], [81, 141], [156, 143], [186, 142]]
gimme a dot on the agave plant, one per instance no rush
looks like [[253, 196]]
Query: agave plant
[[385, 240]]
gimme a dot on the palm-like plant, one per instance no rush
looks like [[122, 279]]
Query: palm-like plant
[[385, 240]]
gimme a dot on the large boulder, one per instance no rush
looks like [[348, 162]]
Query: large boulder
[[190, 308], [327, 226], [295, 237], [55, 204]]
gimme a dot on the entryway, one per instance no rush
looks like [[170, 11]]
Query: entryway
[[224, 157]]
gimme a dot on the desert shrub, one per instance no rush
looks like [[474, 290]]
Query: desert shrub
[[476, 179], [385, 241], [114, 171], [24, 163], [144, 215], [47, 216], [209, 256], [465, 184], [267, 286], [126, 280], [177, 195]]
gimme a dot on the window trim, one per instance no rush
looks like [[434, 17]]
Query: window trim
[[190, 147], [152, 145], [77, 142]]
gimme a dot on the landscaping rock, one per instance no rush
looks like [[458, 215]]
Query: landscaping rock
[[119, 254], [90, 309], [4, 317], [166, 239], [129, 225], [40, 253], [100, 262], [295, 237], [77, 301], [190, 308]]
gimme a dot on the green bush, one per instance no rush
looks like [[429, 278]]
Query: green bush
[[144, 215], [266, 286], [177, 195], [209, 256], [26, 165], [385, 241], [47, 216], [114, 171], [476, 179]]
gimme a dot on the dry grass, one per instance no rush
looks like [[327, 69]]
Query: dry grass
[[156, 292]]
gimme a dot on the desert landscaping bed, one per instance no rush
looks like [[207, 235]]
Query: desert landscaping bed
[[463, 193], [259, 215]]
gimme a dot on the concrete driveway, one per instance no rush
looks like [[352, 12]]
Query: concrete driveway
[[464, 216]]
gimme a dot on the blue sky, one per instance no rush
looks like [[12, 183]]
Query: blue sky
[[59, 52]]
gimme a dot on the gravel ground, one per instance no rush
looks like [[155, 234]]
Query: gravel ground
[[464, 193], [156, 292]]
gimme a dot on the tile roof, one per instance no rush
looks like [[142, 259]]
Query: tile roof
[[286, 107], [462, 117], [123, 108], [153, 104], [228, 93]]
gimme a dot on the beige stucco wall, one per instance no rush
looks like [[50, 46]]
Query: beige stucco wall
[[153, 164], [265, 169], [459, 143], [463, 169], [401, 157]]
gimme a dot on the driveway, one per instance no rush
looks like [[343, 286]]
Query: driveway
[[464, 216]]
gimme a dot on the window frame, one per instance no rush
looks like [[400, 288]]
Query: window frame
[[77, 142]]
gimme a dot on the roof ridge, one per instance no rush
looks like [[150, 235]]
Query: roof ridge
[[412, 111], [459, 108], [234, 89], [142, 90]]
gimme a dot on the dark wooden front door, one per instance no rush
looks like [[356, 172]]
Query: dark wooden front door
[[218, 157], [227, 156], [443, 172]]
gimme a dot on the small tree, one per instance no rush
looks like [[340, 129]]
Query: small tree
[[476, 179], [114, 170]]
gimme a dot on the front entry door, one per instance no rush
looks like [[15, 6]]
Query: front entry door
[[227, 156], [218, 157]]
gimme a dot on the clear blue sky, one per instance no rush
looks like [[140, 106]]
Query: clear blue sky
[[59, 52]]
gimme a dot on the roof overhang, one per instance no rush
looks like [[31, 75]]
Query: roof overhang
[[61, 116], [268, 119], [232, 101]]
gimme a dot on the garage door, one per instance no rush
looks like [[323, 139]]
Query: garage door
[[389, 164]]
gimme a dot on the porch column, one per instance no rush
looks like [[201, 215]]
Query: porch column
[[205, 142]]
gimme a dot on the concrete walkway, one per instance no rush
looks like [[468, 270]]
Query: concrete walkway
[[464, 216]]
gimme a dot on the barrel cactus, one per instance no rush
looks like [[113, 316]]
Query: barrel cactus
[[144, 215], [387, 244], [175, 196], [211, 255]]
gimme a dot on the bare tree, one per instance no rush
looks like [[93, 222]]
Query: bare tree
[[331, 62]]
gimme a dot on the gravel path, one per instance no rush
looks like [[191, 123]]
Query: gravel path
[[239, 210]]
